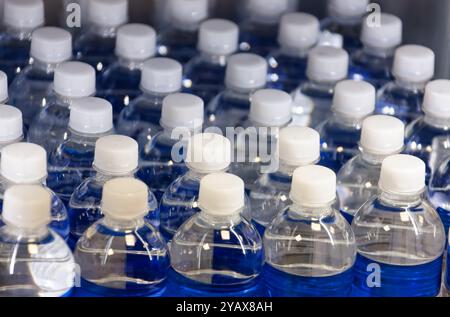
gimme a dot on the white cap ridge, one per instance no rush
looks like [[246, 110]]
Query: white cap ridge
[[3, 87], [436, 101], [161, 75], [24, 14], [218, 37], [387, 35], [268, 11], [91, 115], [327, 64], [354, 98], [116, 155], [271, 108], [347, 8], [246, 71], [181, 110], [298, 30], [74, 80], [413, 63], [208, 153], [135, 41], [11, 125], [51, 45], [108, 13], [188, 13], [382, 135], [299, 146]]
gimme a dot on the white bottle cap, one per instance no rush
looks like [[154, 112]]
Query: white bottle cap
[[135, 41], [413, 63], [186, 12], [299, 146], [327, 64], [11, 126], [161, 75], [268, 11], [299, 30], [271, 108], [182, 111], [91, 115], [313, 186], [3, 87], [386, 35], [246, 71], [27, 206], [74, 79], [125, 199], [24, 14], [402, 175], [221, 194], [218, 37], [24, 163], [51, 45], [382, 135], [208, 153], [108, 13], [116, 154], [354, 98], [436, 101], [347, 8]]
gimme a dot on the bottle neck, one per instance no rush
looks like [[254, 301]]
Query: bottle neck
[[131, 64], [287, 169], [188, 27], [123, 225], [66, 101], [374, 159], [86, 138], [436, 122], [48, 68], [379, 52], [347, 122], [7, 183], [401, 200], [103, 31], [222, 222], [197, 175], [27, 235], [295, 51], [239, 92], [299, 211], [20, 33], [214, 59], [325, 86], [411, 86], [102, 176]]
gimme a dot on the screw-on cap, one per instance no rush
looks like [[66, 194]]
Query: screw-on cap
[[208, 152], [246, 71], [299, 30], [187, 12], [402, 174], [218, 37], [271, 107], [268, 11], [386, 35], [3, 87], [299, 146], [125, 199], [161, 75], [27, 206], [24, 14], [221, 194], [182, 111], [11, 126], [108, 13], [327, 64], [116, 154], [354, 98], [436, 101], [23, 163], [413, 63], [347, 8], [74, 79], [313, 186], [382, 135], [136, 41], [51, 45], [91, 115]]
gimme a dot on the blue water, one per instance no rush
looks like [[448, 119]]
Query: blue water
[[258, 38], [14, 55], [398, 281], [350, 33], [285, 72], [95, 50], [445, 217], [347, 216], [373, 69], [447, 268], [178, 44]]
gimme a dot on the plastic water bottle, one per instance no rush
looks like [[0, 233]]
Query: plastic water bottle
[[115, 156], [50, 46], [245, 73], [73, 80], [34, 261], [399, 236], [119, 83], [20, 19], [353, 101], [217, 252], [122, 254], [161, 158], [26, 163], [204, 75], [96, 46], [381, 137], [373, 62], [11, 127], [310, 248], [160, 78], [312, 99], [298, 33], [179, 39], [412, 69]]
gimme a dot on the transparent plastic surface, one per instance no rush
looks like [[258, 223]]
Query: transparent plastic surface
[[14, 52], [286, 71], [180, 45], [371, 68], [258, 38], [350, 31]]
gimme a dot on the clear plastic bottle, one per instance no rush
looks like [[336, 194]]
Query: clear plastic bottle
[[115, 156], [72, 81], [26, 164], [204, 75], [20, 19], [399, 236], [312, 99], [34, 261], [161, 158], [381, 137], [353, 101], [71, 162], [245, 73], [140, 120], [217, 252], [119, 83], [122, 254], [310, 248], [4, 96], [50, 46], [298, 33], [11, 127], [412, 69]]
